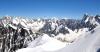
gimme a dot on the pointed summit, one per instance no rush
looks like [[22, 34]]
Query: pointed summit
[[85, 17]]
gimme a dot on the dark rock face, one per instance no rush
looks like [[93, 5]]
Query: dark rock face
[[98, 50], [13, 40], [97, 18]]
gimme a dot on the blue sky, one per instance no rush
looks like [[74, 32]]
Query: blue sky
[[39, 8]]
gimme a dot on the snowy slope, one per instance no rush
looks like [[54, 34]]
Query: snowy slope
[[89, 42], [71, 36], [39, 41], [45, 43]]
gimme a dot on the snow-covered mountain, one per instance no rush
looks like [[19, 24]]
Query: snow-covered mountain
[[88, 42], [45, 34]]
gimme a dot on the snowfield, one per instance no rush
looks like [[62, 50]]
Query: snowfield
[[45, 43], [88, 42]]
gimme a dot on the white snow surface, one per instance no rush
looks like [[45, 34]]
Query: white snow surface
[[39, 41], [88, 42], [45, 43], [13, 26], [72, 35]]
